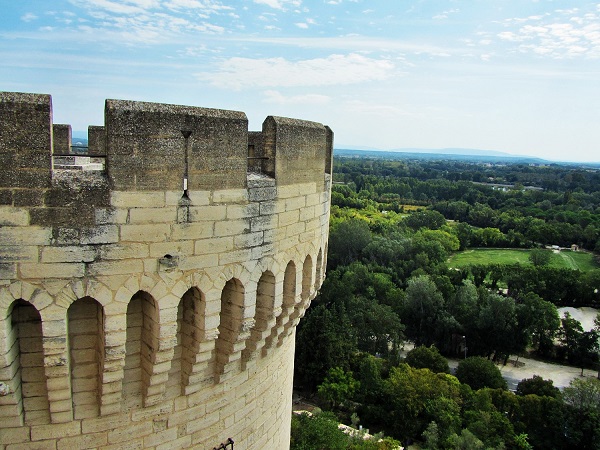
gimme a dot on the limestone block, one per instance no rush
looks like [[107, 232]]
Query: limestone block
[[160, 438], [199, 198], [191, 231], [294, 229], [262, 194], [121, 251], [182, 442], [289, 217], [235, 256], [13, 217], [243, 211], [13, 236], [93, 440], [307, 213], [296, 190], [54, 270], [8, 271], [198, 262], [153, 215], [54, 431], [160, 249], [268, 208], [295, 203], [101, 234], [124, 433], [230, 196], [262, 223], [230, 228], [14, 435], [68, 254], [313, 199], [9, 253], [207, 213], [105, 216], [138, 199], [213, 246], [248, 240], [145, 233], [115, 267]]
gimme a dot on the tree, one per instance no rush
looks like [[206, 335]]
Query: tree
[[569, 336], [347, 240], [414, 399], [539, 257], [337, 387], [480, 373], [543, 320], [538, 386], [429, 219], [323, 341], [465, 441], [427, 358], [582, 400], [498, 327], [423, 307], [583, 394], [317, 431]]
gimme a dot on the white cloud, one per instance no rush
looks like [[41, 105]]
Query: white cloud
[[306, 99], [238, 73], [445, 14], [560, 34], [302, 25], [28, 17], [279, 4]]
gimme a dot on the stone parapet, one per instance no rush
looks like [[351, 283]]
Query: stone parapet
[[153, 304]]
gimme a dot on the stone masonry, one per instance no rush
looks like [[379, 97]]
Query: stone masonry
[[150, 301]]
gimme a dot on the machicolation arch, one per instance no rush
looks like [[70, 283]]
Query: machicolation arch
[[150, 287]]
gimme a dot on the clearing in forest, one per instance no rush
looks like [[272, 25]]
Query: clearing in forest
[[560, 259]]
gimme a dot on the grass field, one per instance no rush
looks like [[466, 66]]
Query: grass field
[[563, 259]]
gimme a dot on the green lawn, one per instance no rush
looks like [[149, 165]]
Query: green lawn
[[563, 259]]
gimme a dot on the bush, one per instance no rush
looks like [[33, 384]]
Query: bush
[[423, 357], [317, 431], [480, 373], [538, 386]]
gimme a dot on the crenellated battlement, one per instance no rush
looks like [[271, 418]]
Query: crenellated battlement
[[153, 304]]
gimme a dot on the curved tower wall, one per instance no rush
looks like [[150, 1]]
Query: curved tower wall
[[153, 304]]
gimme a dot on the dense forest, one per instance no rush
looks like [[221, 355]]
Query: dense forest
[[394, 224]]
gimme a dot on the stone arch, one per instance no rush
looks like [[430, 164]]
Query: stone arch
[[140, 348], [264, 315], [287, 306], [230, 327], [190, 334], [300, 303], [307, 268], [85, 318], [319, 270], [25, 358]]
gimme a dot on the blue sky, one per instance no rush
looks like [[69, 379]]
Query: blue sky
[[520, 76]]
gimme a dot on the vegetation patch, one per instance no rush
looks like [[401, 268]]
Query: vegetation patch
[[565, 259]]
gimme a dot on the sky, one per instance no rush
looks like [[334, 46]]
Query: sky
[[518, 76]]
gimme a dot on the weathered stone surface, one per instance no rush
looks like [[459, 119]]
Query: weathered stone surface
[[139, 293]]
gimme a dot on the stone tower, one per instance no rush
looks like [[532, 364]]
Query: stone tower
[[150, 289]]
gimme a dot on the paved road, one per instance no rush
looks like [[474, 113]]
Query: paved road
[[559, 374]]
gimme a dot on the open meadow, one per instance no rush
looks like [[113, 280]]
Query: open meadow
[[568, 259]]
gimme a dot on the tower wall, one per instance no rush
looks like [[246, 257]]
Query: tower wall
[[153, 304]]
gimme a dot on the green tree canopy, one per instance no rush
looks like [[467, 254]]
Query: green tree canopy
[[423, 357], [480, 373], [539, 257], [538, 386]]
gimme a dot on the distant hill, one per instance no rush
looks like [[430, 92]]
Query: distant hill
[[456, 154]]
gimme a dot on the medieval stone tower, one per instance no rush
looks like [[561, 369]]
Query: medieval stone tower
[[149, 290]]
